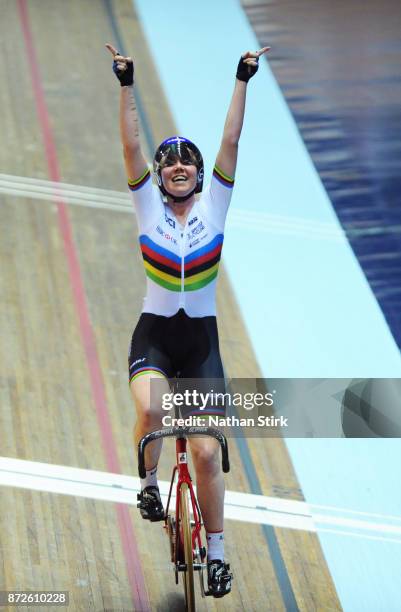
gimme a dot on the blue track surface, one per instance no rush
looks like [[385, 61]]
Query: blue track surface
[[340, 73]]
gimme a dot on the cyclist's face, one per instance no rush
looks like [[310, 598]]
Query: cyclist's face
[[179, 178]]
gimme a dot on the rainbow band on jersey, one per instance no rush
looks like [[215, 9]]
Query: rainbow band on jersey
[[138, 183], [142, 371], [164, 267], [201, 266], [161, 265], [223, 178]]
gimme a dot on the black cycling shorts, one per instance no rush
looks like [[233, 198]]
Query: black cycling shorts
[[182, 348]]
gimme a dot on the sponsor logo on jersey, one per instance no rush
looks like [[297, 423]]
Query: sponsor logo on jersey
[[192, 220], [197, 241], [166, 235], [169, 220], [196, 230]]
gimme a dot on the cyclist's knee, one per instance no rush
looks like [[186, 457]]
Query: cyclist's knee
[[148, 417], [206, 459]]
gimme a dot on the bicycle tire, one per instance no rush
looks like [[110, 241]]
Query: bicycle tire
[[188, 574]]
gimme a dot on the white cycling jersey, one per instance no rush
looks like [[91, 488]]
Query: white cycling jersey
[[181, 263]]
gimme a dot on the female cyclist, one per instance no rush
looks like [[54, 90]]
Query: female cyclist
[[181, 239]]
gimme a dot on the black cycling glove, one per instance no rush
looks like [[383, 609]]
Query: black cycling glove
[[245, 71], [126, 77]]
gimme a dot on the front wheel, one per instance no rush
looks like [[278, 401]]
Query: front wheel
[[186, 535]]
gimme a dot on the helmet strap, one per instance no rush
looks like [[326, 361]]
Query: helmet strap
[[179, 199]]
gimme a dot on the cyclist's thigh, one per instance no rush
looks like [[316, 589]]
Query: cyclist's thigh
[[149, 366]]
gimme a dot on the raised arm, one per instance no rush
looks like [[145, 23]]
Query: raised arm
[[227, 156], [135, 162]]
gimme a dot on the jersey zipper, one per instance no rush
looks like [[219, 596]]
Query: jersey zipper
[[183, 233], [182, 248]]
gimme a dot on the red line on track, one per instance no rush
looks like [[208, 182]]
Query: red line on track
[[130, 548]]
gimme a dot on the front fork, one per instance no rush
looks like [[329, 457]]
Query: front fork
[[184, 477]]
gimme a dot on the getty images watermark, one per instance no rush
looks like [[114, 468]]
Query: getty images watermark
[[284, 407], [215, 404]]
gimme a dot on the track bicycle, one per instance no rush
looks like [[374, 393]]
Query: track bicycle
[[188, 555]]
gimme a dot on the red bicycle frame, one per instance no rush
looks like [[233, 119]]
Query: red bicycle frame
[[184, 477]]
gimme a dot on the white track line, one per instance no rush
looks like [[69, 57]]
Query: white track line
[[245, 507], [121, 202]]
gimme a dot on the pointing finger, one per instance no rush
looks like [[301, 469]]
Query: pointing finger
[[263, 50], [254, 54], [112, 49]]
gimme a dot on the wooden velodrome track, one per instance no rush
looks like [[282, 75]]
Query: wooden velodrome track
[[72, 284]]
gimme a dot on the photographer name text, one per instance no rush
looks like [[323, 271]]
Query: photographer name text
[[229, 421]]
